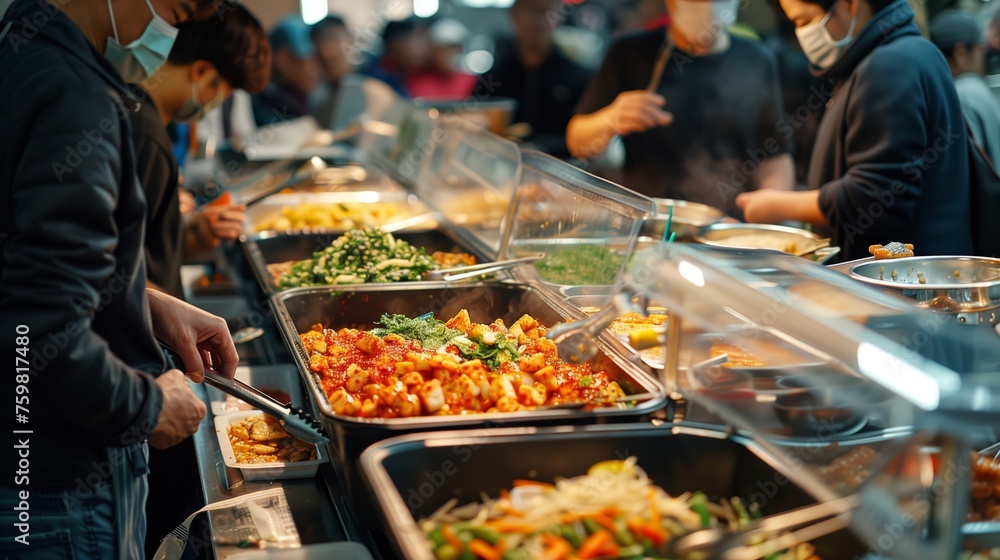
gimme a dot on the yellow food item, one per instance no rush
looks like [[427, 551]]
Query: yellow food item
[[737, 356], [261, 439], [630, 324], [614, 466], [343, 215], [894, 250]]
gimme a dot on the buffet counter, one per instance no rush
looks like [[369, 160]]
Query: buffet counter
[[310, 501], [728, 389]]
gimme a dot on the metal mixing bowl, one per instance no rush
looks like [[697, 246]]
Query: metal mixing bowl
[[948, 284], [688, 218]]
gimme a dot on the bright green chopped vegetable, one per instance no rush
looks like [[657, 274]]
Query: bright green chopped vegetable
[[699, 504], [585, 381], [583, 264], [357, 257], [446, 552], [430, 332], [741, 511]]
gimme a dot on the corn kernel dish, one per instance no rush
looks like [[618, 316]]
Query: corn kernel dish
[[336, 216]]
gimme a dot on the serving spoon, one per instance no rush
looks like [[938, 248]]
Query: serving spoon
[[476, 270]]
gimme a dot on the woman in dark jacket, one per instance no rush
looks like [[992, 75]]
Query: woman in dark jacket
[[891, 160]]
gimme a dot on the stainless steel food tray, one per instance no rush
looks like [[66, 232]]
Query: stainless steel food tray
[[412, 215], [679, 459], [297, 310], [265, 249]]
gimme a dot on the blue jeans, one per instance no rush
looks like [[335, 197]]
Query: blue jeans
[[97, 520]]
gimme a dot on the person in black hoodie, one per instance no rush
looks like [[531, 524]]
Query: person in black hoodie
[[74, 309], [891, 160]]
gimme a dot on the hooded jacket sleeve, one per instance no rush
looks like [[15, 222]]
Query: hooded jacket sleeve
[[59, 265], [887, 146]]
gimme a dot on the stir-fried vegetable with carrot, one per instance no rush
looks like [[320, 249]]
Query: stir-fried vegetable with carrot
[[613, 512]]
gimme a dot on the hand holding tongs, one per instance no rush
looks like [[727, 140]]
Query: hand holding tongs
[[477, 270], [293, 419], [576, 341]]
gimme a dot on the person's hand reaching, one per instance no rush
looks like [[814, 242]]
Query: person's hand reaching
[[201, 339], [637, 111], [221, 222]]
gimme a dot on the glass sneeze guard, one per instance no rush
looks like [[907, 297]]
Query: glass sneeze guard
[[823, 372], [586, 227]]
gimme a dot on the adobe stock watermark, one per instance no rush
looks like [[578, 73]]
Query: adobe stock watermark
[[785, 129], [91, 139], [57, 341], [32, 24], [893, 531], [868, 216]]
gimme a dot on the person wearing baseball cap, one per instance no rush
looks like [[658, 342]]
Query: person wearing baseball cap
[[442, 78], [295, 74]]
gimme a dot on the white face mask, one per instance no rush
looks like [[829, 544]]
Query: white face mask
[[193, 111], [818, 44], [141, 58], [703, 22]]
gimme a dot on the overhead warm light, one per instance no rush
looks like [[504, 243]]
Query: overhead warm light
[[314, 10], [478, 61], [425, 8]]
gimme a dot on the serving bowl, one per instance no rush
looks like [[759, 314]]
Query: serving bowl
[[688, 218], [951, 284], [829, 402], [813, 412], [779, 239]]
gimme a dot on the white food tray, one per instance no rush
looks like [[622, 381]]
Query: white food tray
[[262, 471]]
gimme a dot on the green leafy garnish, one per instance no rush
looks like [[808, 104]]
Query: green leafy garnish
[[585, 381], [502, 350], [430, 332]]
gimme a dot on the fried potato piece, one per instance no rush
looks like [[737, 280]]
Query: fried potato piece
[[893, 250]]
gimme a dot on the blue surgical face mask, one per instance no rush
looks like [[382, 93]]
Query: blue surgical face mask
[[139, 59], [193, 110], [819, 46]]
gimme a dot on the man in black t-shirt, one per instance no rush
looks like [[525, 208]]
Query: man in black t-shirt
[[543, 80], [708, 129]]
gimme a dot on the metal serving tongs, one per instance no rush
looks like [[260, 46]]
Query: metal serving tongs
[[819, 520], [263, 188], [577, 341], [477, 270], [293, 419]]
